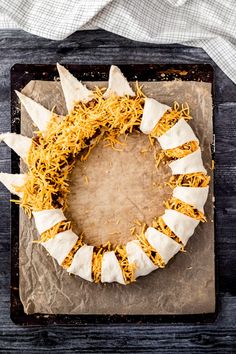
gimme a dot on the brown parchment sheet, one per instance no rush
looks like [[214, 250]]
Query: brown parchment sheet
[[108, 192]]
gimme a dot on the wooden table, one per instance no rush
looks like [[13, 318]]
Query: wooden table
[[97, 47]]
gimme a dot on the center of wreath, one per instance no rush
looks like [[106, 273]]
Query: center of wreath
[[116, 189]]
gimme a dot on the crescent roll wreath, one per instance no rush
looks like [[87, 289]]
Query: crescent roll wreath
[[51, 155]]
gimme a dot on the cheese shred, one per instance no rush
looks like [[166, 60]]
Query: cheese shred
[[98, 253], [69, 258], [150, 251], [56, 229], [160, 225], [176, 153], [126, 267], [170, 118], [197, 179], [181, 151], [184, 208]]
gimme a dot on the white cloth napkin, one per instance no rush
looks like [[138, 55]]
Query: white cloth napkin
[[210, 24]]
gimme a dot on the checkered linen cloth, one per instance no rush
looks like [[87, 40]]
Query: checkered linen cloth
[[210, 24]]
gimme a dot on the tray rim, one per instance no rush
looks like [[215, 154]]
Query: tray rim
[[28, 72]]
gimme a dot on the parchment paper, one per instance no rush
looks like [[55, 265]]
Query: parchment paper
[[122, 186]]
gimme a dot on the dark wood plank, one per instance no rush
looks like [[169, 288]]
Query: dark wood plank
[[208, 338], [94, 47]]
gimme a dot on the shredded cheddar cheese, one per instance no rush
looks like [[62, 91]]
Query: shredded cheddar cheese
[[69, 258], [176, 153], [150, 251], [137, 222], [212, 164], [170, 118], [161, 226], [151, 140], [132, 230], [158, 158], [98, 253], [184, 208], [86, 179], [181, 151], [197, 179], [127, 268], [51, 233]]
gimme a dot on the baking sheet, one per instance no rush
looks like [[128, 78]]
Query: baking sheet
[[185, 286]]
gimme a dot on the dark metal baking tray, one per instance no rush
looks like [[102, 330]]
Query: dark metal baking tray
[[21, 74]]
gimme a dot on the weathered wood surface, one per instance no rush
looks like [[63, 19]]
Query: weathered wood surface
[[100, 47]]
